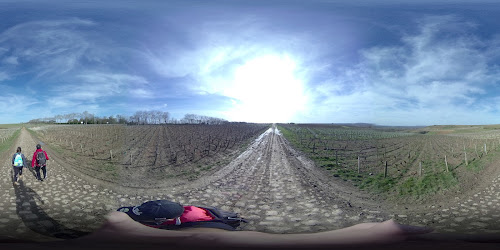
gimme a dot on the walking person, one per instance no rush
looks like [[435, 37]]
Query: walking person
[[39, 161], [18, 162]]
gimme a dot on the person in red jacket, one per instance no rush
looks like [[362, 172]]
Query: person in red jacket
[[39, 161]]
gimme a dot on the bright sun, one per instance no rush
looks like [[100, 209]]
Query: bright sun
[[266, 89]]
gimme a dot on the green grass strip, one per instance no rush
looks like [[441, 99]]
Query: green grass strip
[[7, 144]]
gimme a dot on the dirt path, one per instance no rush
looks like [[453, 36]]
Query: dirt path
[[280, 191], [273, 186]]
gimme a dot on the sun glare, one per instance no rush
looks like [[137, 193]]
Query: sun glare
[[266, 89]]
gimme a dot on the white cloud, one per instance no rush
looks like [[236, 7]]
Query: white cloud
[[436, 74], [15, 108], [58, 102], [4, 76], [216, 48], [208, 66], [15, 103], [94, 85], [11, 60], [47, 47], [141, 93], [73, 61]]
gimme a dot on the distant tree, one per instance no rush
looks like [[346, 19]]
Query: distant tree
[[85, 116], [158, 116], [112, 120], [58, 118], [148, 117], [121, 119], [73, 121], [199, 119], [164, 117], [136, 118]]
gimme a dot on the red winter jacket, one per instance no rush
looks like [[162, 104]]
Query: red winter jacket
[[191, 213], [33, 161]]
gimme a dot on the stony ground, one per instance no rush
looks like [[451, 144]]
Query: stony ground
[[270, 184]]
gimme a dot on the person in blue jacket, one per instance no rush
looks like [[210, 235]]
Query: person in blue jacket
[[18, 162]]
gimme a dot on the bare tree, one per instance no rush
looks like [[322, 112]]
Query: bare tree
[[164, 117]]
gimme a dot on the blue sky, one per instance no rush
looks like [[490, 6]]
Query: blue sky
[[316, 61]]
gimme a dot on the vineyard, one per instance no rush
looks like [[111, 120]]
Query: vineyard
[[396, 161], [393, 162], [121, 154]]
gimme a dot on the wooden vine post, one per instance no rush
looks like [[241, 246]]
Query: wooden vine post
[[385, 171], [420, 169], [466, 163], [111, 154], [358, 164], [446, 162], [336, 158]]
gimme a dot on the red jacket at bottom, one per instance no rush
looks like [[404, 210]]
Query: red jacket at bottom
[[190, 214]]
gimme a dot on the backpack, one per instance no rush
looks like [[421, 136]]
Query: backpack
[[222, 219], [40, 158], [230, 218], [18, 161]]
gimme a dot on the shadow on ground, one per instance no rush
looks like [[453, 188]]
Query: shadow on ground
[[35, 218]]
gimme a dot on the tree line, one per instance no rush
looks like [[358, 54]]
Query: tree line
[[138, 118]]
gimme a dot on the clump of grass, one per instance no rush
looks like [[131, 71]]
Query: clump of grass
[[475, 166], [58, 149], [109, 167], [428, 184], [378, 183]]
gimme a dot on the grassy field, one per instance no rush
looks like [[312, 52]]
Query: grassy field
[[7, 126]]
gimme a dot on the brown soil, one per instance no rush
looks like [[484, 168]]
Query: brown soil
[[145, 182]]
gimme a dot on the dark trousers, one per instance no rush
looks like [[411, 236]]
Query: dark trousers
[[17, 171], [44, 170]]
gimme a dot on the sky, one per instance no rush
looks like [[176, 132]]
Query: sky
[[386, 62]]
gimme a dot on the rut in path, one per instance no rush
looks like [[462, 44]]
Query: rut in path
[[270, 184]]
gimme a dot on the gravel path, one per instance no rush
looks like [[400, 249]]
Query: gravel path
[[275, 188], [63, 206], [477, 214]]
